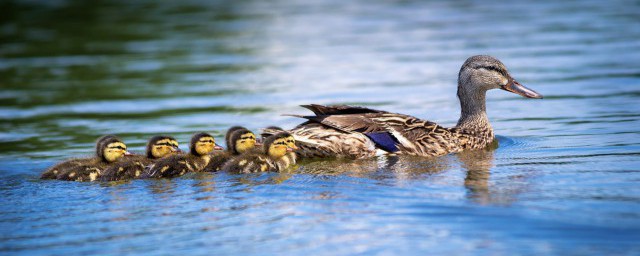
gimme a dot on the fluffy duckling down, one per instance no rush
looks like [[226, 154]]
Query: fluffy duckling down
[[109, 149], [200, 147], [272, 158], [131, 167], [239, 141]]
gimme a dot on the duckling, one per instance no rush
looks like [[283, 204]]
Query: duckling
[[358, 132], [239, 141], [132, 166], [53, 171], [109, 149], [291, 141], [195, 161], [273, 157]]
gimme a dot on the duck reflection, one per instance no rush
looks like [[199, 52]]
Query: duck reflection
[[478, 164]]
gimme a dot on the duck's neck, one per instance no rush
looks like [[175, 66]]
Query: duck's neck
[[473, 116]]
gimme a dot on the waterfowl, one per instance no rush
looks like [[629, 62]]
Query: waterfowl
[[131, 167], [200, 147], [272, 158], [109, 149], [239, 140], [358, 132], [291, 141]]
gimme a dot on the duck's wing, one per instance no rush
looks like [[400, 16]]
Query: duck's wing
[[89, 172], [167, 167], [393, 132], [249, 163], [129, 169], [218, 159], [52, 172], [320, 110]]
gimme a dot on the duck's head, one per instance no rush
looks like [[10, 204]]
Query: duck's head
[[161, 146], [277, 145], [110, 148], [227, 136], [481, 73], [202, 144], [241, 140], [291, 142]]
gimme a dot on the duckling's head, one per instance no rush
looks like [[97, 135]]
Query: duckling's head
[[110, 148], [161, 146], [481, 73], [202, 144], [270, 130], [227, 136], [291, 142], [241, 140], [277, 145]]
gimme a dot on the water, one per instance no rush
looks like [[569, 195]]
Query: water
[[564, 179]]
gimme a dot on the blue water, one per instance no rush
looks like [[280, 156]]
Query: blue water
[[563, 180]]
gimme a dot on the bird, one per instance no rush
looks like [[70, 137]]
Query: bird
[[109, 149], [200, 147], [291, 141], [239, 140], [360, 132], [133, 166], [271, 158]]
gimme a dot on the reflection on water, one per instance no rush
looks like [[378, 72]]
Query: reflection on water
[[563, 179]]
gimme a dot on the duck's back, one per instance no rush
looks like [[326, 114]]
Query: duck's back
[[90, 170], [175, 165], [249, 163], [217, 161], [130, 168], [52, 172], [357, 132]]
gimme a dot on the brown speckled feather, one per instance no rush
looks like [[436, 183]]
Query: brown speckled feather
[[340, 132], [129, 168], [176, 165]]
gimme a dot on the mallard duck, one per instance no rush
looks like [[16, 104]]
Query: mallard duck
[[272, 158], [195, 161], [239, 140], [131, 167], [109, 149], [358, 132]]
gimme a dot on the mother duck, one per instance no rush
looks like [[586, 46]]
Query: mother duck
[[358, 132]]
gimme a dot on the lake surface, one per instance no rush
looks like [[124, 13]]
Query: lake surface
[[565, 178]]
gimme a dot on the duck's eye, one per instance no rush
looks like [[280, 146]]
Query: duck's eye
[[207, 141], [118, 147]]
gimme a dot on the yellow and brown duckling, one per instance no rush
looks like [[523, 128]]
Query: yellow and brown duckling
[[131, 167], [202, 144], [291, 141], [272, 158], [109, 149], [239, 141]]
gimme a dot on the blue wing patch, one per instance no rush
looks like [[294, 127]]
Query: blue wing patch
[[384, 141]]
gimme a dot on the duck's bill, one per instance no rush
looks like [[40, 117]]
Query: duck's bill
[[177, 150], [127, 153], [217, 147], [517, 88]]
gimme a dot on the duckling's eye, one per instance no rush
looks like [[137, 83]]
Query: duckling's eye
[[118, 147], [207, 141], [281, 143], [165, 144]]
